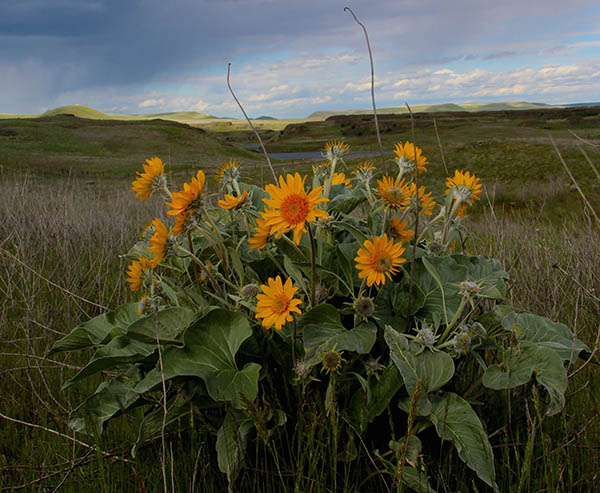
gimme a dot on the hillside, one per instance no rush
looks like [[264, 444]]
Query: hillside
[[65, 144], [436, 108]]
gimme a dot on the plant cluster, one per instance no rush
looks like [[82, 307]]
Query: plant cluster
[[345, 293]]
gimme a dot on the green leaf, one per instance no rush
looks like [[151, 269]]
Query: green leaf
[[366, 406], [97, 331], [545, 332], [391, 304], [345, 203], [359, 236], [438, 278], [294, 272], [109, 399], [119, 351], [168, 323], [325, 331], [231, 444], [488, 273], [417, 480], [455, 420], [210, 346], [433, 368], [518, 365]]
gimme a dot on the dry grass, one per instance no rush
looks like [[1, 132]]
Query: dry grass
[[69, 232]]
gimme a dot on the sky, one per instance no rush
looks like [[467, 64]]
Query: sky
[[290, 58]]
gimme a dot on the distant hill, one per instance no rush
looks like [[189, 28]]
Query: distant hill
[[581, 105], [265, 118], [424, 108], [78, 111]]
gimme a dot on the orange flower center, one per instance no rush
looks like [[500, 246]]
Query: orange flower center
[[382, 262], [294, 209], [280, 304], [395, 195]]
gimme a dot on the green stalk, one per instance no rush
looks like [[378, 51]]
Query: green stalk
[[313, 266]]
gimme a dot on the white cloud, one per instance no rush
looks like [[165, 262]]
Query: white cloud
[[148, 103]]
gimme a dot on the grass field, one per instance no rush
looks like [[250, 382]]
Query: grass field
[[68, 215]]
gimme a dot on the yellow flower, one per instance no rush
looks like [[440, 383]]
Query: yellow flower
[[400, 229], [379, 258], [276, 303], [188, 197], [394, 193], [340, 179], [231, 201], [261, 234], [146, 182], [137, 270], [180, 221], [406, 159], [232, 163], [291, 207], [426, 202], [158, 242], [465, 188], [336, 149]]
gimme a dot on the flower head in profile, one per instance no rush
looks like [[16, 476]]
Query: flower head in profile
[[400, 229], [228, 170], [410, 158], [159, 243], [336, 149], [365, 170], [190, 197], [262, 232], [394, 192], [465, 188], [139, 272], [379, 258], [233, 201], [426, 202], [340, 179], [290, 207], [150, 180], [276, 303]]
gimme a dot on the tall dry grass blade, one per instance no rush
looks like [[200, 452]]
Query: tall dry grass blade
[[250, 123], [587, 158], [575, 183], [583, 140], [65, 290], [348, 9], [440, 146]]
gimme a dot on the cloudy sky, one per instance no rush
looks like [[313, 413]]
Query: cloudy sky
[[292, 57]]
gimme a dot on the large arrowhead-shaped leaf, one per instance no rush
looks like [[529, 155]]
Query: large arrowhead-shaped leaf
[[433, 368], [455, 420], [545, 332], [109, 399], [118, 351], [365, 407], [325, 331], [97, 331], [210, 346], [231, 444], [168, 324], [518, 366]]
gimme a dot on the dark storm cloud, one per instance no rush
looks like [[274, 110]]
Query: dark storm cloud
[[54, 47]]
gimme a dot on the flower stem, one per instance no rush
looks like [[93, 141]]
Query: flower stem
[[314, 267]]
